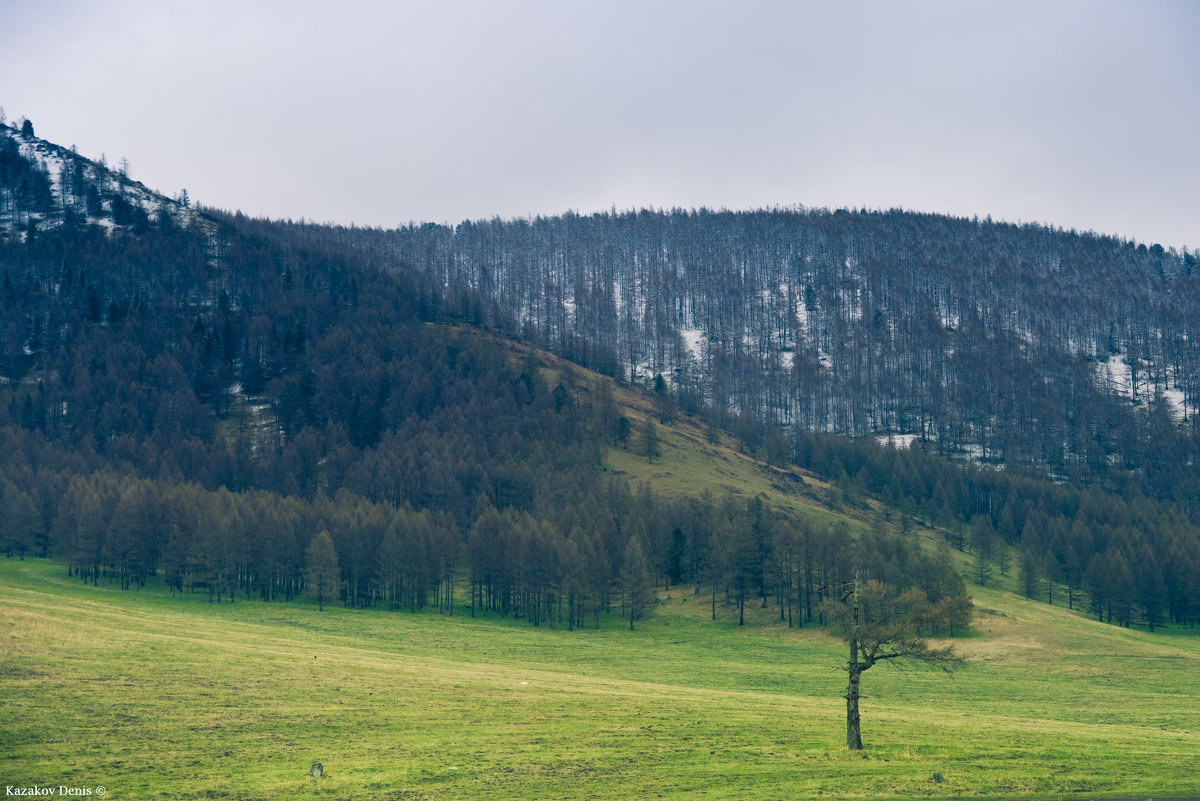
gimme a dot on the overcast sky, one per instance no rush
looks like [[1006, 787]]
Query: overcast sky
[[1079, 114]]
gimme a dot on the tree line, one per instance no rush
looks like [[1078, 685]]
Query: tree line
[[572, 570], [1126, 557]]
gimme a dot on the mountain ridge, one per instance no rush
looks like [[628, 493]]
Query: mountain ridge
[[973, 336]]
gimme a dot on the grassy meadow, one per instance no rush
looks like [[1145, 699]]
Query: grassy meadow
[[154, 696]]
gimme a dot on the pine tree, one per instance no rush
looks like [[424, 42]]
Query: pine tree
[[322, 573], [636, 582], [648, 446], [982, 539], [1030, 575]]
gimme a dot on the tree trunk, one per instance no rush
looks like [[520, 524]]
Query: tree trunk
[[853, 726]]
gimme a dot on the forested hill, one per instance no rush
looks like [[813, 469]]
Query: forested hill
[[229, 406], [252, 408], [1016, 344]]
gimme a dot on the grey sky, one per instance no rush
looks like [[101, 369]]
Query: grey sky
[[1078, 114]]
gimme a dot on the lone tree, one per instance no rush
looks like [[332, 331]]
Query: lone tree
[[323, 574], [882, 625], [648, 446]]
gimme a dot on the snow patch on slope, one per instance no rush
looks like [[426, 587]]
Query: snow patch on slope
[[693, 338], [899, 441], [1117, 376], [1174, 399]]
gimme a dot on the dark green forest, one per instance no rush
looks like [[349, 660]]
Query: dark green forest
[[246, 410]]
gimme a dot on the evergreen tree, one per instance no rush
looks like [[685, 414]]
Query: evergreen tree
[[648, 444], [637, 584], [19, 522], [323, 576], [982, 541], [1031, 580]]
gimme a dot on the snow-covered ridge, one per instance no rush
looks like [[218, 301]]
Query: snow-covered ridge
[[115, 199]]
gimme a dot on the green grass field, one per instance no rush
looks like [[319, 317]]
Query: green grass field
[[153, 696]]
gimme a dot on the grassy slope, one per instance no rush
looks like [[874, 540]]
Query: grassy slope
[[688, 462], [161, 697]]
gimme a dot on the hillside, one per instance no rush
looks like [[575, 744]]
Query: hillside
[[423, 706], [200, 395], [225, 404], [1026, 346], [693, 456], [45, 186]]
